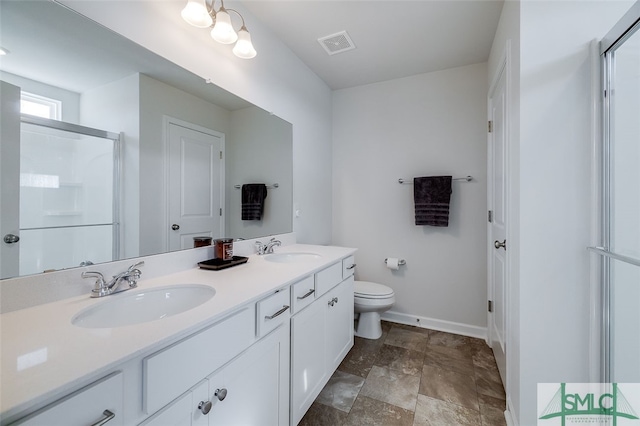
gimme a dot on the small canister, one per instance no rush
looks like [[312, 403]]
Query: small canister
[[201, 241], [224, 248]]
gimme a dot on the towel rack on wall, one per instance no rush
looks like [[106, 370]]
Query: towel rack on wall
[[466, 179], [275, 185]]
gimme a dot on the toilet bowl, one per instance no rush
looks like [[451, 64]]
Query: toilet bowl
[[370, 300]]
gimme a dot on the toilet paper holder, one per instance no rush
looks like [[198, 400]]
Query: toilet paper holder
[[400, 262]]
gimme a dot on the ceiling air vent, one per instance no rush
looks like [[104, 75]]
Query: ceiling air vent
[[337, 43]]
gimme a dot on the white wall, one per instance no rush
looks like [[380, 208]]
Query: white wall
[[260, 153], [550, 282], [114, 107], [428, 124], [276, 80]]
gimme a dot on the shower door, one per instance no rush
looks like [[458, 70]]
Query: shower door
[[619, 253], [68, 195]]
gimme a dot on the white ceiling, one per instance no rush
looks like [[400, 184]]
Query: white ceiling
[[393, 38]]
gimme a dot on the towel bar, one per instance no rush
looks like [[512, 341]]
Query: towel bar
[[467, 179], [275, 185]]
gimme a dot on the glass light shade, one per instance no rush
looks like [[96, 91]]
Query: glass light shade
[[244, 48], [222, 31], [196, 14]]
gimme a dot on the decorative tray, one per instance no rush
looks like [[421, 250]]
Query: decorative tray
[[217, 264]]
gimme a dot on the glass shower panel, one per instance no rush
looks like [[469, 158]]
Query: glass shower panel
[[56, 248], [66, 198], [625, 322], [625, 150]]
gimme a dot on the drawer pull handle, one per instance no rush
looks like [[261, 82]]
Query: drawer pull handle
[[280, 312], [309, 293], [221, 394], [352, 266], [205, 407], [108, 416], [333, 301]]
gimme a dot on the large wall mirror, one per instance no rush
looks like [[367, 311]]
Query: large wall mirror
[[129, 155]]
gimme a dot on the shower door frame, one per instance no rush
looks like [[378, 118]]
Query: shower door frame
[[628, 25], [117, 168]]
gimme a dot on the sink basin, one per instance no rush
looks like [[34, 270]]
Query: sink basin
[[291, 257], [137, 306]]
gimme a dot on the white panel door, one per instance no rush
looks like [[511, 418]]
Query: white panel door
[[196, 179], [498, 223], [9, 179]]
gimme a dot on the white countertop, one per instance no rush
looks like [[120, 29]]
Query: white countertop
[[44, 356]]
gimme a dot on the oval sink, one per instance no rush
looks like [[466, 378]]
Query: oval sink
[[138, 306], [291, 257]]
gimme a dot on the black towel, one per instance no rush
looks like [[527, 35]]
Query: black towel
[[431, 196], [253, 195]]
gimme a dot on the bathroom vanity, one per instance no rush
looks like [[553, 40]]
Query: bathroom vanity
[[258, 352]]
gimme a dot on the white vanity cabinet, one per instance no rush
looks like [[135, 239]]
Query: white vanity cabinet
[[252, 389], [99, 403], [321, 336]]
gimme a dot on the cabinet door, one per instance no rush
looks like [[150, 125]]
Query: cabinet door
[[339, 331], [308, 360], [254, 388], [89, 405], [183, 411]]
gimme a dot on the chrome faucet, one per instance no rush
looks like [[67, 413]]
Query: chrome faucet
[[267, 248], [102, 288]]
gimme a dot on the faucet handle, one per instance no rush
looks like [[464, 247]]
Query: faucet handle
[[92, 274], [135, 267], [260, 247]]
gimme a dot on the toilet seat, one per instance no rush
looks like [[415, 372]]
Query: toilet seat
[[369, 290]]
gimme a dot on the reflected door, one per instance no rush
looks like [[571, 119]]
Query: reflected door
[[9, 179], [196, 179]]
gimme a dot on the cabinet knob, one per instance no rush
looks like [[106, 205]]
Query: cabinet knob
[[205, 407], [11, 239], [175, 226], [221, 394]]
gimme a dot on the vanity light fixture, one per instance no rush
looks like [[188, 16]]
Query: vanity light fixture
[[201, 14]]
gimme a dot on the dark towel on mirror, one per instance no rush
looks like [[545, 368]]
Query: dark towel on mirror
[[431, 196], [253, 195]]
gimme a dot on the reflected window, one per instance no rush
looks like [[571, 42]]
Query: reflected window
[[40, 106]]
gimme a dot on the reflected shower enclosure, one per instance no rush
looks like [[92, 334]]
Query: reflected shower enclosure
[[68, 196]]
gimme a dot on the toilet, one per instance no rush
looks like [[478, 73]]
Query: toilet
[[371, 300]]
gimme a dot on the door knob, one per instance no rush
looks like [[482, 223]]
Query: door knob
[[175, 226], [497, 244], [205, 407], [11, 239], [221, 394]]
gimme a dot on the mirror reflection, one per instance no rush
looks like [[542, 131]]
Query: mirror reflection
[[109, 151]]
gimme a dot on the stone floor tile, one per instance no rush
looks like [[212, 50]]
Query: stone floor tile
[[323, 415], [449, 386], [492, 416], [341, 391], [371, 412], [490, 401], [407, 339], [448, 358], [487, 384], [413, 328], [401, 359], [435, 412], [440, 338], [361, 357], [392, 387]]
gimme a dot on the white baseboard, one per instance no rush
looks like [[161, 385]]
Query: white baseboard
[[435, 324], [508, 414]]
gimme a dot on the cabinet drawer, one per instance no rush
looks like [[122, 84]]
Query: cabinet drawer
[[272, 311], [302, 294], [168, 373], [328, 278], [348, 267], [84, 407]]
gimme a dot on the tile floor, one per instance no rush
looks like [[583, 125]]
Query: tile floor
[[412, 376]]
